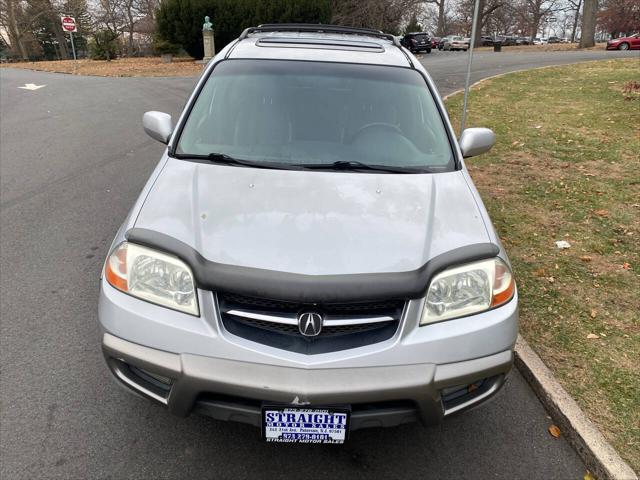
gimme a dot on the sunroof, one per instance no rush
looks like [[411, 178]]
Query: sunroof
[[311, 42]]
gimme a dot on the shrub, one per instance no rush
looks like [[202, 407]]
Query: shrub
[[103, 46], [163, 47]]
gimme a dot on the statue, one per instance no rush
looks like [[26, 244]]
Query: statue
[[207, 26], [207, 40]]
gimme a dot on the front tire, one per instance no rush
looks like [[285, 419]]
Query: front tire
[[428, 50], [623, 46]]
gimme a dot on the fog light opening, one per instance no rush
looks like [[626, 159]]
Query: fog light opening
[[156, 379]]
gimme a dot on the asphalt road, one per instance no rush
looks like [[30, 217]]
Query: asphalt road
[[73, 158]]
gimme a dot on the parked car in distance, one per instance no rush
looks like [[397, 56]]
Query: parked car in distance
[[417, 42], [540, 41], [434, 42], [624, 43], [486, 41], [455, 42], [441, 42], [523, 41], [554, 40], [506, 40], [310, 255]]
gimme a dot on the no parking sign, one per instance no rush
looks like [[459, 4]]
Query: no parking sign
[[69, 24]]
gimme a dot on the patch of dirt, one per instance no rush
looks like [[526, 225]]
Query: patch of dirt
[[599, 169], [124, 67]]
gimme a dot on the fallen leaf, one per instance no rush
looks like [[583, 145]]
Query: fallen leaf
[[626, 266], [594, 313], [540, 272], [555, 431], [585, 258], [602, 334], [592, 336], [601, 212]]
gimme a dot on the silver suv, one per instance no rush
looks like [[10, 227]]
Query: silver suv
[[310, 255]]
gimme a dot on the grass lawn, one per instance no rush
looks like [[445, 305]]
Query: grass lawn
[[566, 166], [124, 67]]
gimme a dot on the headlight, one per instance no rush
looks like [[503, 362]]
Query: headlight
[[468, 289], [152, 276]]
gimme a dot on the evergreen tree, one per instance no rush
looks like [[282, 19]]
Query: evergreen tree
[[413, 25], [180, 21]]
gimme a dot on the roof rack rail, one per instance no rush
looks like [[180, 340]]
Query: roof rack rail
[[318, 27]]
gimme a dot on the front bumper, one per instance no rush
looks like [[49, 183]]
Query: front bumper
[[235, 390]]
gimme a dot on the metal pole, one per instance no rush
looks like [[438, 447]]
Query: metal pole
[[466, 84], [73, 47]]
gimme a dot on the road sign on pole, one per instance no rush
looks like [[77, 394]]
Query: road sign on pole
[[69, 25]]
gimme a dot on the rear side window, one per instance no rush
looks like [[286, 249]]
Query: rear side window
[[299, 112]]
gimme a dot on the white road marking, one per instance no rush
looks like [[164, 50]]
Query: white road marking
[[32, 86]]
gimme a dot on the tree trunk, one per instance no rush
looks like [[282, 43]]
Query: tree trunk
[[480, 23], [589, 13], [535, 25], [441, 6], [61, 38], [130, 45], [132, 26], [576, 17]]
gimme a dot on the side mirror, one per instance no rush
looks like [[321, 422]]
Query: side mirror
[[158, 126], [476, 141]]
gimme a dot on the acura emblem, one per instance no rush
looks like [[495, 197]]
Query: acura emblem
[[310, 324]]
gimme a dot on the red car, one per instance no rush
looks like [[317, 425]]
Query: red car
[[434, 42], [625, 43]]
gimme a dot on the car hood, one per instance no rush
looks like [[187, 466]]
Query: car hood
[[313, 222]]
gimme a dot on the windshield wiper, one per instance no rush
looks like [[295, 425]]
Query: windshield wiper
[[355, 165], [224, 159]]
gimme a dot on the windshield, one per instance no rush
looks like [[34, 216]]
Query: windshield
[[308, 113]]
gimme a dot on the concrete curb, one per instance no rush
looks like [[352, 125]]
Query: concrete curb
[[598, 455]]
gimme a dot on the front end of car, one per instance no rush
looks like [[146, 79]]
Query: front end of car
[[227, 354], [612, 44]]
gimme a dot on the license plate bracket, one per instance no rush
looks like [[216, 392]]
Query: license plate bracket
[[305, 424]]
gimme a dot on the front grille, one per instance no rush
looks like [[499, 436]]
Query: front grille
[[274, 322], [330, 331]]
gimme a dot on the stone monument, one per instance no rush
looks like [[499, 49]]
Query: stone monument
[[207, 40]]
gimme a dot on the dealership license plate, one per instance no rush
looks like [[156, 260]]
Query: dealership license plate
[[305, 425]]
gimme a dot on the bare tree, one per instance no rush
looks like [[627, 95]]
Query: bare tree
[[485, 10], [537, 11], [10, 19], [576, 5], [385, 15], [442, 8]]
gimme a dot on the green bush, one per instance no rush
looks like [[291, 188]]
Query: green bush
[[103, 45], [162, 47], [180, 21]]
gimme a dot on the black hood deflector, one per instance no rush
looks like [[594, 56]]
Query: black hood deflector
[[301, 288]]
